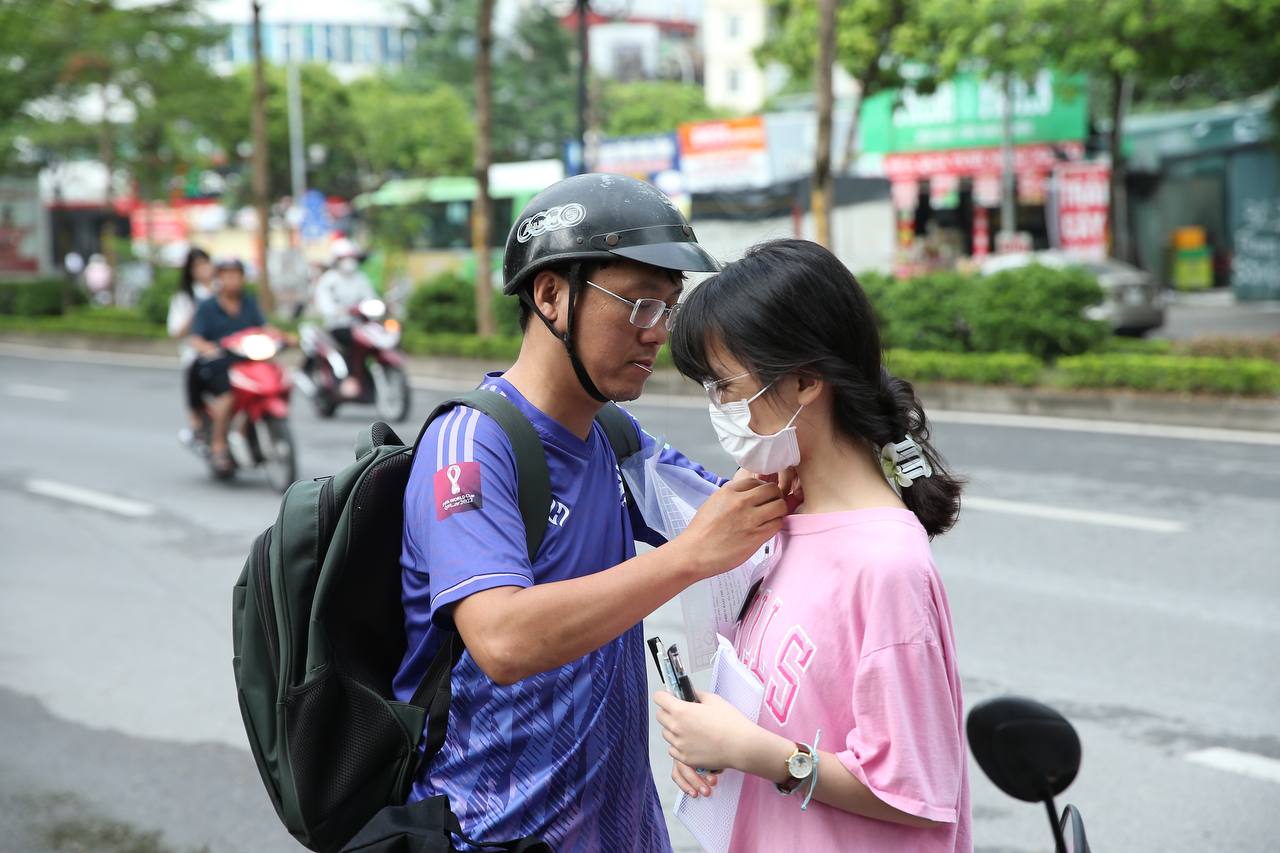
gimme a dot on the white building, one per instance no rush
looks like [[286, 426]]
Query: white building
[[731, 32], [351, 38]]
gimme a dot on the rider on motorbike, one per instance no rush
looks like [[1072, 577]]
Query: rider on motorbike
[[338, 293], [231, 310]]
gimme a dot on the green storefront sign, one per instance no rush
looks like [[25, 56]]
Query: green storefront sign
[[968, 112]]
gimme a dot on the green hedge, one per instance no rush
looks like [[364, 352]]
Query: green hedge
[[1033, 310], [446, 304], [154, 301], [105, 322], [38, 297], [1002, 368], [1253, 377], [1267, 347], [450, 345]]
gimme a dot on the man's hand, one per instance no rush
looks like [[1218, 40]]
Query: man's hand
[[733, 523], [788, 481]]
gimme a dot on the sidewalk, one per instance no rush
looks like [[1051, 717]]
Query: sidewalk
[[1232, 413], [1217, 313]]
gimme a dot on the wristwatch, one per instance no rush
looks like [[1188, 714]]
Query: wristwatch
[[799, 769]]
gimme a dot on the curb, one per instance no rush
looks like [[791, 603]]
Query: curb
[[1216, 412]]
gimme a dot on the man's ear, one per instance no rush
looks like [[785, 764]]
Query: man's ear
[[548, 291]]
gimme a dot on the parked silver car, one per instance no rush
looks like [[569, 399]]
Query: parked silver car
[[1133, 302]]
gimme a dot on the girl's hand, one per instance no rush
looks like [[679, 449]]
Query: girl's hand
[[706, 733], [691, 781]]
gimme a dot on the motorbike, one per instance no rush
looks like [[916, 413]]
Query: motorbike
[[378, 365], [258, 434], [1031, 753]]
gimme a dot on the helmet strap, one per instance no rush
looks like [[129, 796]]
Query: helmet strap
[[579, 369]]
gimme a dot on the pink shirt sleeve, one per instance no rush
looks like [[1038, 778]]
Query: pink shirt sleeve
[[904, 745]]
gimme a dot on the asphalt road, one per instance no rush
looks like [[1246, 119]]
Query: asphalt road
[[1130, 581]]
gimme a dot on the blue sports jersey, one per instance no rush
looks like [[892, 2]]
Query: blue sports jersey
[[564, 754]]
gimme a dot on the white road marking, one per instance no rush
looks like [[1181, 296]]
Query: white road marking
[[1188, 433], [90, 498], [1235, 761], [1081, 516], [38, 392], [84, 356]]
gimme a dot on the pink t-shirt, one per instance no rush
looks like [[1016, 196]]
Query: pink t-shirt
[[851, 633]]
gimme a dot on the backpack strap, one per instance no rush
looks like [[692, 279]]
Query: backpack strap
[[620, 430], [533, 492], [376, 435], [533, 479]]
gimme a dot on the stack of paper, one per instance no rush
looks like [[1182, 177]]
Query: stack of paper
[[710, 819], [668, 497]]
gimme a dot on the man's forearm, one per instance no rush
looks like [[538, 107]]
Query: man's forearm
[[523, 632]]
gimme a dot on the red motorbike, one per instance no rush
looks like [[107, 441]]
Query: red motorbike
[[258, 434], [375, 375]]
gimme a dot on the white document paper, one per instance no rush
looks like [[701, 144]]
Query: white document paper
[[710, 819], [668, 497]]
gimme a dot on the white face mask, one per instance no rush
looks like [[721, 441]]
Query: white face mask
[[348, 265], [759, 454]]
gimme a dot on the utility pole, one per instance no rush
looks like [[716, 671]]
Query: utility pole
[[260, 191], [1008, 203], [485, 326], [584, 8], [822, 196], [297, 149]]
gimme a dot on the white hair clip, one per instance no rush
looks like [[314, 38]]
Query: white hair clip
[[903, 462]]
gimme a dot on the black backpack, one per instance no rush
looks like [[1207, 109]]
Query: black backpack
[[318, 630]]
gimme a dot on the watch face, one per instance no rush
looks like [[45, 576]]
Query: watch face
[[800, 765]]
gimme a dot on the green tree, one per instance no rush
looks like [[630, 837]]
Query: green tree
[[875, 39], [1125, 43], [534, 106], [652, 106], [411, 133]]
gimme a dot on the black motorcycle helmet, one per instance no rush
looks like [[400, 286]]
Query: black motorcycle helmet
[[596, 217]]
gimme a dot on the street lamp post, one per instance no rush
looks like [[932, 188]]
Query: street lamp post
[[584, 6]]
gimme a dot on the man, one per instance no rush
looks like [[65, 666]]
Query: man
[[338, 291], [547, 732], [230, 311]]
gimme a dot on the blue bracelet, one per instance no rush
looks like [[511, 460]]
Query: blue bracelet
[[813, 775]]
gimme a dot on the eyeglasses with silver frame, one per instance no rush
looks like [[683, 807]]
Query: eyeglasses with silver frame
[[645, 313]]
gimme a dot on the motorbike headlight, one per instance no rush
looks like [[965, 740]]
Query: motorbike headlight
[[374, 309], [258, 347]]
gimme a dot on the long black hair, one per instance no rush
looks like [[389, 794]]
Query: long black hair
[[790, 306], [187, 282]]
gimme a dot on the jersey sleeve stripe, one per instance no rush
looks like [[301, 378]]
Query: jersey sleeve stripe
[[469, 442], [442, 437], [477, 579], [453, 434]]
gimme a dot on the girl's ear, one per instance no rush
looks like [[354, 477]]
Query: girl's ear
[[809, 388]]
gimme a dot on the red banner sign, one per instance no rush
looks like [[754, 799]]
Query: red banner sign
[[967, 162], [1083, 193]]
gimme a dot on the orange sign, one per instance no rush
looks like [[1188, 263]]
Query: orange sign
[[728, 154]]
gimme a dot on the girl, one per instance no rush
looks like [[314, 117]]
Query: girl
[[195, 286], [860, 739]]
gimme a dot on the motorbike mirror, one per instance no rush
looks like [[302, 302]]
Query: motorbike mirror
[[1073, 831], [1027, 749]]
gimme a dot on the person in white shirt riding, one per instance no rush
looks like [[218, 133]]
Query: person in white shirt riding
[[338, 293]]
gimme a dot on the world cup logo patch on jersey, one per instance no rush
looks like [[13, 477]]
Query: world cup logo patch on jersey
[[457, 489]]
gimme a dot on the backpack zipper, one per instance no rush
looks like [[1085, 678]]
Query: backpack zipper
[[266, 608]]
